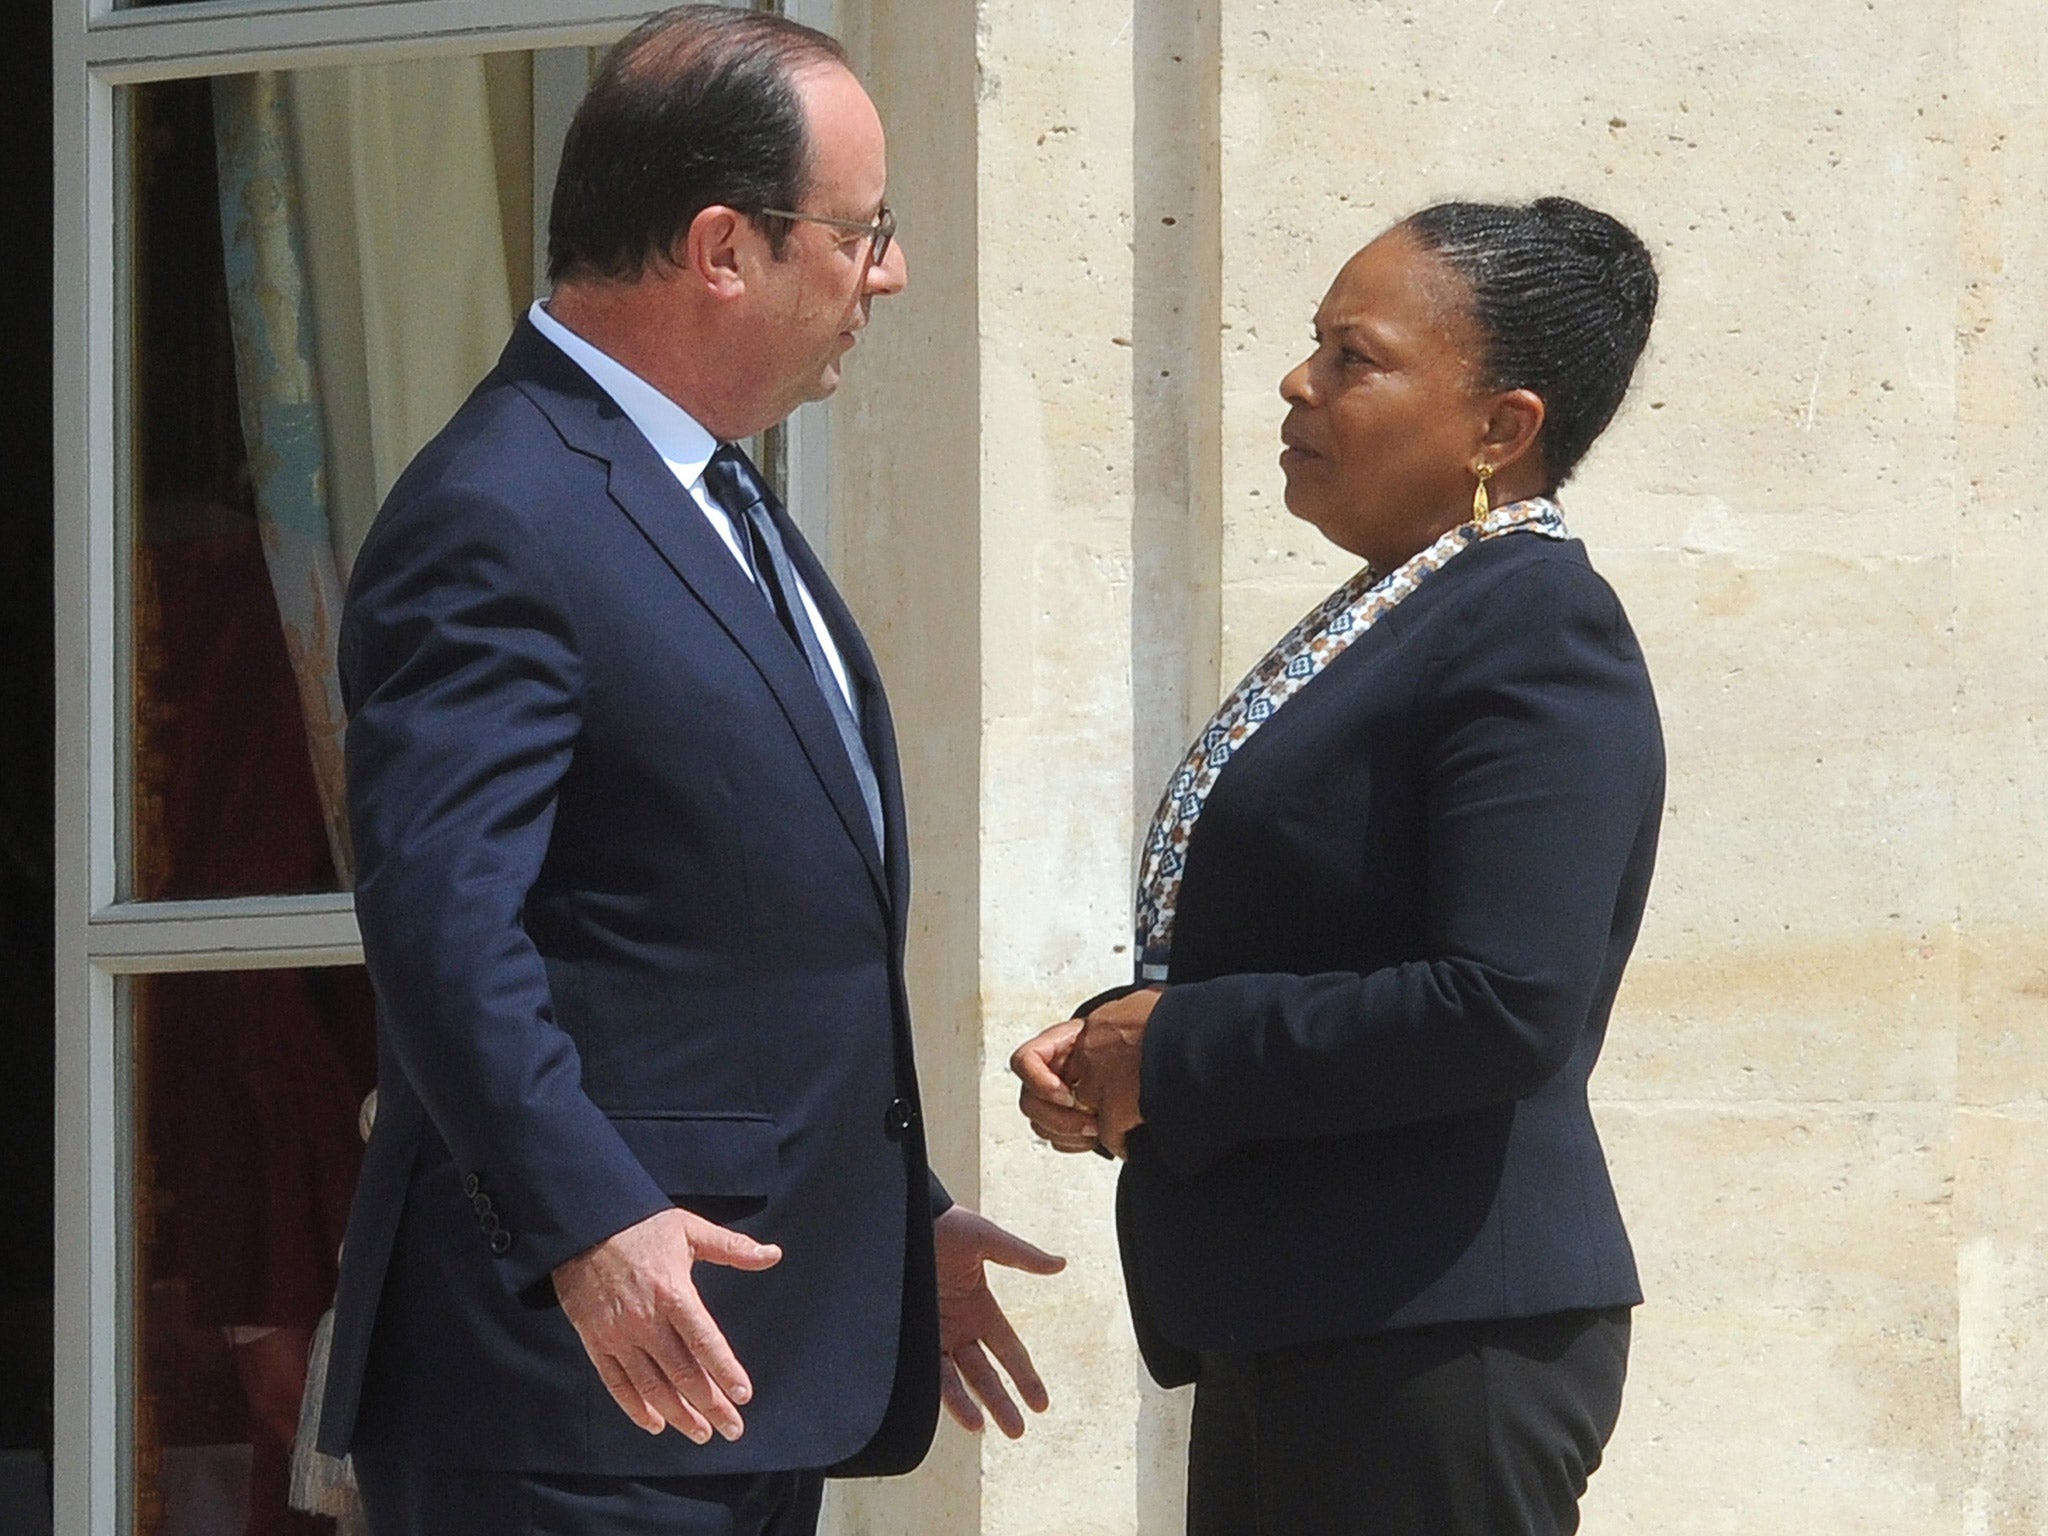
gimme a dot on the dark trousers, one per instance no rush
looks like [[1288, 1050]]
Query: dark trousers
[[401, 1498], [1464, 1429]]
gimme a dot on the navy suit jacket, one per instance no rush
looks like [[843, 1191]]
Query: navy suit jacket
[[1406, 909], [633, 946]]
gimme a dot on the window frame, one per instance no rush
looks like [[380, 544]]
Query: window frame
[[102, 938]]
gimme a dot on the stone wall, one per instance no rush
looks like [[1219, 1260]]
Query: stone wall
[[1826, 1092]]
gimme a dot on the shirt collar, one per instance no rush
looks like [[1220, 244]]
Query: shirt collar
[[681, 440]]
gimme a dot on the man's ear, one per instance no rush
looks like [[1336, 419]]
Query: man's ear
[[1513, 424], [710, 251]]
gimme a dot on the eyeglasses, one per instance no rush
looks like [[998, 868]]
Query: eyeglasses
[[880, 230]]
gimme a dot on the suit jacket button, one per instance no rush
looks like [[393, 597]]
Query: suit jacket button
[[470, 1185], [480, 1203], [501, 1240], [899, 1119]]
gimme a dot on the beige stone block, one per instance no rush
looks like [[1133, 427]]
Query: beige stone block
[[2002, 817], [1888, 47], [1746, 639], [1795, 1368], [2001, 588], [1759, 190], [1800, 940], [2000, 49], [2002, 244], [1807, 845], [2002, 1268], [1852, 1018], [1739, 1427], [2002, 1045], [1791, 652], [1820, 1216], [1055, 176], [2003, 318], [1627, 500], [1796, 946]]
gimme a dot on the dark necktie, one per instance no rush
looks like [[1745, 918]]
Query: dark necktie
[[736, 486]]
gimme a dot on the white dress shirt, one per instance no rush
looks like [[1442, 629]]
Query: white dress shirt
[[685, 447]]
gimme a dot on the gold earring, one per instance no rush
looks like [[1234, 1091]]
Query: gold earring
[[1480, 506]]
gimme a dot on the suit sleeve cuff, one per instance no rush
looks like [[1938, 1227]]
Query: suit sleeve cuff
[[1184, 1136], [527, 1262]]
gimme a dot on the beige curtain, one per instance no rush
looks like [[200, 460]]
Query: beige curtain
[[416, 183]]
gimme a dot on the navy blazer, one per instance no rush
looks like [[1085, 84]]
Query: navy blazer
[[1406, 909], [633, 946]]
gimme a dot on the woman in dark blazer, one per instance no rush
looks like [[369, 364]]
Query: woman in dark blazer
[[1383, 912]]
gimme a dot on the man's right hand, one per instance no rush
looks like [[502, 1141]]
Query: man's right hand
[[658, 1350]]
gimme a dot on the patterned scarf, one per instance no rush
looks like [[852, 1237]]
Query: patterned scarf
[[1319, 639]]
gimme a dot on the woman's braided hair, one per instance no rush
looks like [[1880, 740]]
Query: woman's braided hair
[[1563, 294]]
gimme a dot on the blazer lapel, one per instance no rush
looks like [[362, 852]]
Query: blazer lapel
[[646, 491]]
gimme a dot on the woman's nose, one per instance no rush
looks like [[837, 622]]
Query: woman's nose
[[1294, 386]]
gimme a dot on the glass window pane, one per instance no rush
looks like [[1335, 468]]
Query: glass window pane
[[321, 264], [144, 5], [248, 1088]]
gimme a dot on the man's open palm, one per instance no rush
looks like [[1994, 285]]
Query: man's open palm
[[972, 1325]]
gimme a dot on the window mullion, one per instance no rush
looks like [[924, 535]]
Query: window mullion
[[226, 935], [87, 1484]]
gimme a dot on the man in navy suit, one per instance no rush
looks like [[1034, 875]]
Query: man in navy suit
[[633, 877]]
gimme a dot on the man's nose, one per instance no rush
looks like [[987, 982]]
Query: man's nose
[[1294, 387], [892, 273]]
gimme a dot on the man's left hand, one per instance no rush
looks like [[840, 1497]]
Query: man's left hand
[[972, 1325]]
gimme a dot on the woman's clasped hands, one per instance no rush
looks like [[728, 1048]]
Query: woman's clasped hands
[[1081, 1077]]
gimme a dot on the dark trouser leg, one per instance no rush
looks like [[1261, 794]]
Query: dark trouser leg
[[1223, 1481], [1555, 1395], [1480, 1429], [403, 1499]]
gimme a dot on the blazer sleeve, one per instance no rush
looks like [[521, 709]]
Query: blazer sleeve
[[1542, 758], [464, 687]]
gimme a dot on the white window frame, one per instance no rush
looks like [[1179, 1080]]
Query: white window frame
[[101, 938]]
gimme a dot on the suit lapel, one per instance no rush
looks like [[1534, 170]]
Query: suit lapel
[[647, 493]]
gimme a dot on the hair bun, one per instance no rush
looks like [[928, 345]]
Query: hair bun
[[1563, 295], [1629, 271]]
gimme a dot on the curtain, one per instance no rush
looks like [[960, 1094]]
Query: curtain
[[282, 423], [416, 181], [376, 221]]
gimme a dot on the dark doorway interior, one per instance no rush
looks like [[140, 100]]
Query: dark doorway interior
[[27, 731]]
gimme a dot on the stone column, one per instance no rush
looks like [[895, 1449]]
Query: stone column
[[907, 542], [2001, 705], [1055, 138], [983, 517]]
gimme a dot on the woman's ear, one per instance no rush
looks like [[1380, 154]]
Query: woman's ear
[[1513, 424]]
